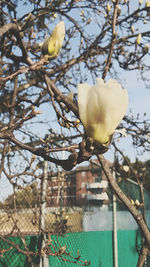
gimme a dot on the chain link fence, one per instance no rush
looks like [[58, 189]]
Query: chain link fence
[[52, 221]]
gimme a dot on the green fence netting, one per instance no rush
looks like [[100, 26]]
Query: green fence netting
[[94, 247]]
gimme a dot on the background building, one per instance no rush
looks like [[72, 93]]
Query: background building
[[83, 186]]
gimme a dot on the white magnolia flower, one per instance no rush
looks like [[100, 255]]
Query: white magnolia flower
[[101, 108]]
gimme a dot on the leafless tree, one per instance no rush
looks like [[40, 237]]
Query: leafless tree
[[38, 112]]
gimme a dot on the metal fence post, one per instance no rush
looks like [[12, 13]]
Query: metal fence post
[[115, 241], [44, 261]]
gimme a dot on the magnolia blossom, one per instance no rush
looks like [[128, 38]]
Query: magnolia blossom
[[101, 108]]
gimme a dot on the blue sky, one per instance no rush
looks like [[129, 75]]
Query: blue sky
[[139, 95]]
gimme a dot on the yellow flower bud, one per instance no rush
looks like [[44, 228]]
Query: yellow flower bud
[[77, 123], [137, 203], [53, 44], [55, 15], [125, 168], [138, 40], [82, 13], [118, 9], [147, 4], [146, 48], [4, 128], [108, 7]]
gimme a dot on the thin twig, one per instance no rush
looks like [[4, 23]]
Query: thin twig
[[113, 41]]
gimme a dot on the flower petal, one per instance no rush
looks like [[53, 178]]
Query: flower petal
[[101, 108]]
